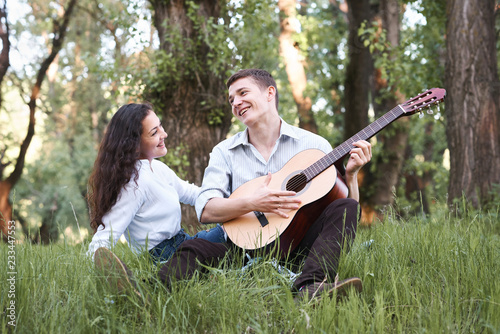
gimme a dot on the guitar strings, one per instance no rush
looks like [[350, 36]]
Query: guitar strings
[[325, 162]]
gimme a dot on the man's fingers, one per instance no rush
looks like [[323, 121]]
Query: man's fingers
[[363, 150], [285, 193]]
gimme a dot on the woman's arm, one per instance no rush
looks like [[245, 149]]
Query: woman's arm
[[117, 219]]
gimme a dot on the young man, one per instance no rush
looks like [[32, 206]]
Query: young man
[[263, 148], [266, 145]]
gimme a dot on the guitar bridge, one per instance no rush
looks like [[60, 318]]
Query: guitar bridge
[[262, 218]]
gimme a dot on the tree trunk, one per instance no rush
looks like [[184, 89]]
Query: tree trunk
[[4, 37], [5, 209], [195, 111], [294, 64], [473, 101], [358, 72], [394, 138]]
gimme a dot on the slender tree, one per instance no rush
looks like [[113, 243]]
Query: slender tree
[[473, 101], [4, 37], [6, 185], [4, 65], [294, 63]]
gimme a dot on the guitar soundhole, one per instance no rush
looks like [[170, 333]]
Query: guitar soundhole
[[296, 183]]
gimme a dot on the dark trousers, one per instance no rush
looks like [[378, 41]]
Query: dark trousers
[[320, 248]]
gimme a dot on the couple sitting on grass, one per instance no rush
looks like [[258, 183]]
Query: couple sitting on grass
[[133, 194]]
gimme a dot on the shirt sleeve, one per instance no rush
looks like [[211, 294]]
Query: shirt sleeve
[[187, 192], [118, 218], [324, 145], [216, 181]]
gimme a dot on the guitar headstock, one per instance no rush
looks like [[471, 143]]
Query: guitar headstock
[[429, 98]]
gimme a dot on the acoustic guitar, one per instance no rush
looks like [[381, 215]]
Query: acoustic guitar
[[317, 182]]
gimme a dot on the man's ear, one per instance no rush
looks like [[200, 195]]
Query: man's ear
[[271, 93]]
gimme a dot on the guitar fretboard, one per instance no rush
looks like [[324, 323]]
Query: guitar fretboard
[[340, 151]]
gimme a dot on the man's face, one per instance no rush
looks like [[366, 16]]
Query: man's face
[[248, 100]]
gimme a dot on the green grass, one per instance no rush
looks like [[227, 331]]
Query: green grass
[[437, 275]]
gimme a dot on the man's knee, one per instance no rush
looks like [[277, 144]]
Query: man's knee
[[343, 206], [347, 202]]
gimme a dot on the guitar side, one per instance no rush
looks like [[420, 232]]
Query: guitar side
[[247, 231]]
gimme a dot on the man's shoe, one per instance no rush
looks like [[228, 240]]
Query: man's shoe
[[318, 290], [118, 276]]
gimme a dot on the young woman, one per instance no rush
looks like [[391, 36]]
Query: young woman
[[131, 193]]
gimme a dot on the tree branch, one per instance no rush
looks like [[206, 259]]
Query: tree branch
[[57, 42]]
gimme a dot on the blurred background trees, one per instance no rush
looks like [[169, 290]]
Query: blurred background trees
[[339, 65]]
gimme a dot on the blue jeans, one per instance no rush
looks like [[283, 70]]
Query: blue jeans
[[165, 249]]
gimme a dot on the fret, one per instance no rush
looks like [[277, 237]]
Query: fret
[[343, 149]]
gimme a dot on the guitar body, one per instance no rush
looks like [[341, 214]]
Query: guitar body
[[285, 233]]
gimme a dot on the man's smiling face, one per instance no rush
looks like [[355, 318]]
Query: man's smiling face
[[248, 100]]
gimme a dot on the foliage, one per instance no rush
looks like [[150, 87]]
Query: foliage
[[53, 189], [253, 31], [177, 159], [323, 40], [419, 275]]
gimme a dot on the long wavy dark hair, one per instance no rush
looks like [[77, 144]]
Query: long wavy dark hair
[[116, 160]]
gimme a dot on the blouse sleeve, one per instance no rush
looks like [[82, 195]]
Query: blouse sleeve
[[187, 192], [118, 218]]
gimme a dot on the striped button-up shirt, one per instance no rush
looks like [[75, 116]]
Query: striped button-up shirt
[[235, 161]]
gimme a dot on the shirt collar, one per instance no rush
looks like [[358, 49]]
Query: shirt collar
[[288, 130], [285, 130]]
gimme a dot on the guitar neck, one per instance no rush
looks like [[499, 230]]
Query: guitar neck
[[343, 149]]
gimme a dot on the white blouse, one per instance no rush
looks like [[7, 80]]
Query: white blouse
[[147, 212]]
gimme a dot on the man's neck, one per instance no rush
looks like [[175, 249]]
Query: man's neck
[[264, 134]]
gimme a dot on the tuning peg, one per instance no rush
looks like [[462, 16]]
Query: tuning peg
[[421, 114], [430, 111], [438, 107]]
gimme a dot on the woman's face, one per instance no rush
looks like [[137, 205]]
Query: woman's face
[[152, 138]]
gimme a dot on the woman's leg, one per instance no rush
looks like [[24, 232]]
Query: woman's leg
[[165, 249], [215, 234]]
